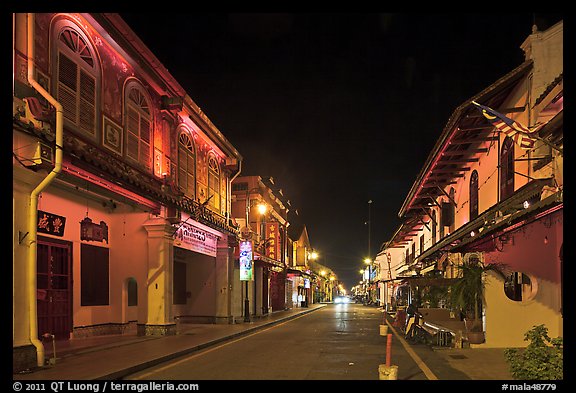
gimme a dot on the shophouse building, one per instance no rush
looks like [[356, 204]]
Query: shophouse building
[[493, 195], [260, 209], [121, 189]]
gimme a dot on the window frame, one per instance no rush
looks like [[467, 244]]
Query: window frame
[[87, 69], [214, 172], [474, 195], [138, 104], [191, 153], [506, 183]]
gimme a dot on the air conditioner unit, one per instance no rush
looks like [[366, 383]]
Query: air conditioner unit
[[36, 155], [173, 215]]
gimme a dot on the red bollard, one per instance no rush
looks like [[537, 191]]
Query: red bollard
[[389, 350]]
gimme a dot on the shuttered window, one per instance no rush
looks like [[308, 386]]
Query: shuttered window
[[474, 195], [76, 81], [94, 275], [213, 181], [187, 166], [507, 168], [138, 127]]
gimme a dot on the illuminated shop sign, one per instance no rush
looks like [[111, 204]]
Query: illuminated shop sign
[[272, 241], [306, 283], [246, 261], [195, 239]]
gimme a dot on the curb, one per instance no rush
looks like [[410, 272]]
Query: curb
[[134, 369]]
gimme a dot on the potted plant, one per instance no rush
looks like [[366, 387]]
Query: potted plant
[[467, 295]]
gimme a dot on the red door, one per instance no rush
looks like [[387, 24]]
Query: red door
[[54, 288]]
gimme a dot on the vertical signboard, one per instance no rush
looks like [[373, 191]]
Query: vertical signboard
[[246, 261], [272, 241]]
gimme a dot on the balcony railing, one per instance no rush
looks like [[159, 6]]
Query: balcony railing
[[503, 213]]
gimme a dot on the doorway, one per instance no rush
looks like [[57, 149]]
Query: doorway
[[54, 287]]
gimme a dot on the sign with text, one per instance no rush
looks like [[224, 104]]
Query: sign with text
[[51, 224], [195, 239], [272, 241], [246, 261]]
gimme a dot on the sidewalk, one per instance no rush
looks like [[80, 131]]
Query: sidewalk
[[113, 357], [470, 363]]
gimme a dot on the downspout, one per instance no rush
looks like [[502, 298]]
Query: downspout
[[33, 209]]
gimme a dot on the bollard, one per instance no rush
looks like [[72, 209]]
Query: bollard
[[383, 330], [387, 373], [52, 361]]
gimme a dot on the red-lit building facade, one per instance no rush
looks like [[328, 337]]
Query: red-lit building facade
[[267, 229], [482, 196], [121, 189]]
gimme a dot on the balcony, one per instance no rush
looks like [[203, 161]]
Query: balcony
[[527, 201]]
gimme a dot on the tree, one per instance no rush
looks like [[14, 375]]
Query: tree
[[467, 293]]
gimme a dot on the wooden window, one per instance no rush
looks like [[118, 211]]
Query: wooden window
[[421, 244], [213, 181], [474, 195], [507, 168], [76, 80], [179, 287], [187, 165], [94, 275], [138, 122]]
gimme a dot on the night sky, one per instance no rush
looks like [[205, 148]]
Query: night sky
[[338, 108]]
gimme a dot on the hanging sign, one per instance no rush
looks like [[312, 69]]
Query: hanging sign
[[93, 232], [272, 241], [246, 261], [195, 239], [51, 224]]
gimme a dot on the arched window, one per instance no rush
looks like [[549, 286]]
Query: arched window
[[77, 77], [507, 168], [213, 181], [138, 123], [187, 165], [474, 195]]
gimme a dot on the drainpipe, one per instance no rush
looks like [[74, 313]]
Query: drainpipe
[[33, 209]]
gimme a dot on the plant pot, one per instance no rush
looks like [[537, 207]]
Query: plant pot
[[475, 337]]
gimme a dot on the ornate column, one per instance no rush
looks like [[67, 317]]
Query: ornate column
[[159, 319], [224, 259]]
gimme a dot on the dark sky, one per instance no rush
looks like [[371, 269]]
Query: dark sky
[[339, 108]]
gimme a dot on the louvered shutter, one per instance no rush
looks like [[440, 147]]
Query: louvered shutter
[[67, 87], [145, 157], [87, 105], [133, 138]]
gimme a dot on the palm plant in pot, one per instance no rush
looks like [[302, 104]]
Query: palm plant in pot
[[467, 295]]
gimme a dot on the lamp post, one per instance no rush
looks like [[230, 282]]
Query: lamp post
[[368, 262]]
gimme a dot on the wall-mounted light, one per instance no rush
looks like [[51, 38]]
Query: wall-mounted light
[[526, 205]]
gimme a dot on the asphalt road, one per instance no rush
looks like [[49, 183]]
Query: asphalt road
[[338, 342]]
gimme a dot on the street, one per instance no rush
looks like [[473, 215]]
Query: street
[[338, 342]]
